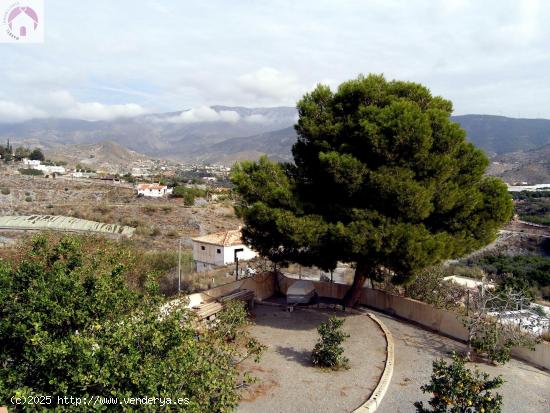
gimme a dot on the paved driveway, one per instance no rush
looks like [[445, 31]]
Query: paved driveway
[[527, 389]]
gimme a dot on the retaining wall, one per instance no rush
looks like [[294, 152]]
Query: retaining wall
[[445, 322], [442, 321], [263, 286]]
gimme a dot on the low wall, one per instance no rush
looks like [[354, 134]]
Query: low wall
[[263, 286], [540, 357], [442, 321]]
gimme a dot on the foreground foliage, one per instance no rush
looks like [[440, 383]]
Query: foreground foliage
[[328, 352], [75, 321], [456, 389], [381, 178]]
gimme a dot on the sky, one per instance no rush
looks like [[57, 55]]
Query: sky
[[104, 59]]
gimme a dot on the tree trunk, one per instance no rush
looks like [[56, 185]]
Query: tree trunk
[[354, 293]]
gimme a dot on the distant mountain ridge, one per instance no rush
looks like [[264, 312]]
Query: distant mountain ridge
[[499, 134], [225, 134]]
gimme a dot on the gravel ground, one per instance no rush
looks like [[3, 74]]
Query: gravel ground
[[526, 390], [287, 380]]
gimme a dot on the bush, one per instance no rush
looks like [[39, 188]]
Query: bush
[[72, 325], [328, 352], [5, 191], [429, 287], [28, 199], [149, 209], [30, 171], [188, 194], [518, 272], [37, 155], [458, 389]]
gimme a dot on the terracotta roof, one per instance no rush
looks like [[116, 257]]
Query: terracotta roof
[[225, 238], [151, 186]]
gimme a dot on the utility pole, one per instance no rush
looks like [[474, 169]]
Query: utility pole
[[179, 266], [236, 259]]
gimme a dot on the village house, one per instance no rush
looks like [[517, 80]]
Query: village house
[[219, 249], [46, 169], [31, 162], [153, 190]]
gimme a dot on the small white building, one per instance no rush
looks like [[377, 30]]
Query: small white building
[[46, 169], [51, 169], [219, 249], [153, 190], [31, 162]]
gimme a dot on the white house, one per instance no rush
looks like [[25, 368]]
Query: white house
[[31, 162], [51, 169], [220, 248], [153, 190], [46, 169]]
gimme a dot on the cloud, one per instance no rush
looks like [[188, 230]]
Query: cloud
[[15, 112], [99, 111], [61, 104], [257, 118], [205, 114], [268, 84]]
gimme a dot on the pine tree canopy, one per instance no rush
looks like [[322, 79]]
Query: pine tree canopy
[[381, 178]]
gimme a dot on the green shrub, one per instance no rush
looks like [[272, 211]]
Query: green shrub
[[328, 352], [28, 199], [188, 194], [430, 287], [30, 171], [518, 271], [72, 325], [5, 191], [455, 388]]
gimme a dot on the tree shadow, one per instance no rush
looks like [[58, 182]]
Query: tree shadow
[[301, 319], [301, 357]]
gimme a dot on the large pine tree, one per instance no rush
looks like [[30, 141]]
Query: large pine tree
[[381, 178]]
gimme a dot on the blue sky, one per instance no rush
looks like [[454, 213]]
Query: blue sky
[[109, 58]]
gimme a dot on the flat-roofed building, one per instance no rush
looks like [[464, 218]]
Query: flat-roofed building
[[219, 249]]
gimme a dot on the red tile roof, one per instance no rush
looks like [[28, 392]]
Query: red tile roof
[[151, 187]]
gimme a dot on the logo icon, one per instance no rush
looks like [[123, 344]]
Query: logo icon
[[22, 21]]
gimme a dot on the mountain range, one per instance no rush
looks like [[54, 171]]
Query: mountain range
[[223, 134]]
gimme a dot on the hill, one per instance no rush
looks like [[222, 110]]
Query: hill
[[532, 166], [276, 145], [499, 135], [228, 133], [173, 135], [109, 156]]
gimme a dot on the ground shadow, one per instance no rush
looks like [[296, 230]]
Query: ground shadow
[[301, 357], [280, 318]]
